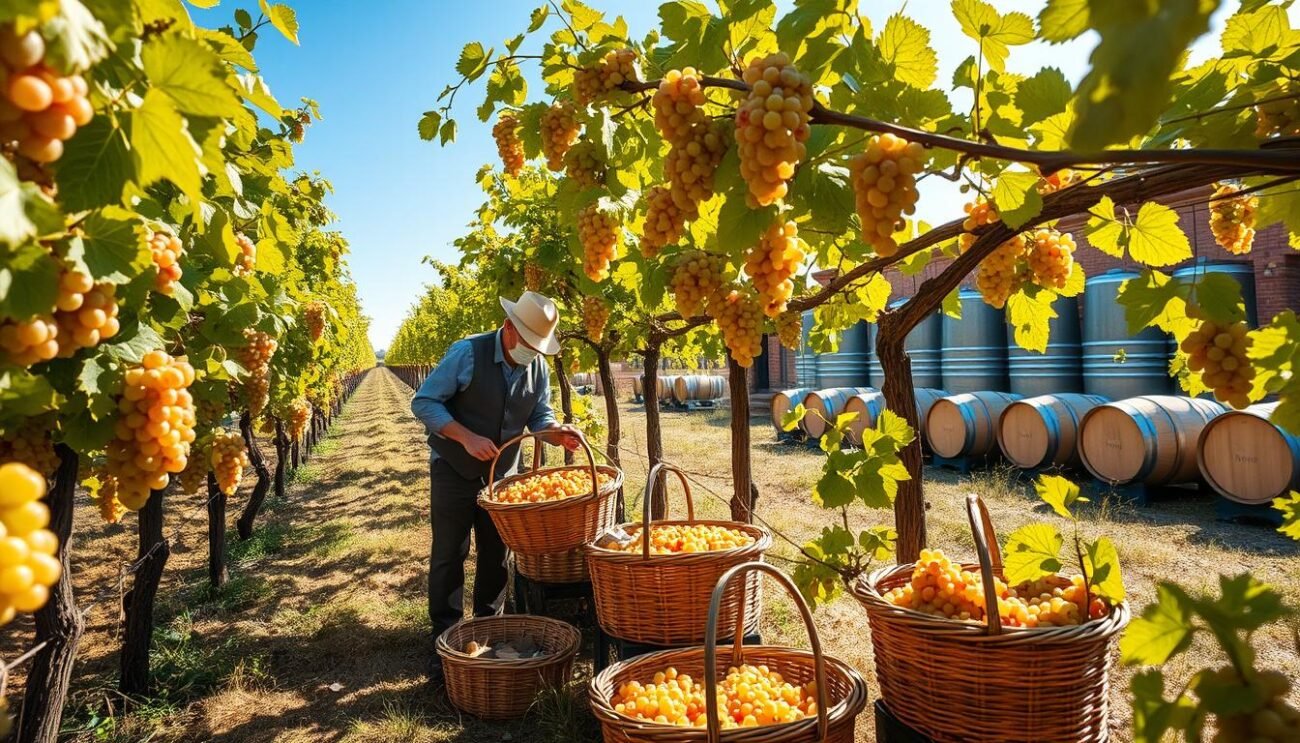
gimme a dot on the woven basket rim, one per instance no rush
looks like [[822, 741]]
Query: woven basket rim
[[572, 640], [865, 588], [847, 708], [762, 542], [605, 491]]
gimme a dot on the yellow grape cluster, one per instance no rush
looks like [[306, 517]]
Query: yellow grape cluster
[[246, 261], [166, 250], [678, 105], [208, 412], [255, 356], [595, 313], [772, 126], [84, 314], [39, 109], [28, 562], [696, 282], [1001, 273], [585, 164], [770, 264], [154, 429], [511, 150], [789, 329], [103, 492], [598, 231], [979, 214], [192, 479], [229, 458], [941, 587], [560, 129], [1274, 721], [669, 539], [1219, 353], [315, 315], [593, 82], [665, 220], [749, 696], [534, 276], [1051, 257], [692, 163], [550, 486], [884, 188], [299, 415], [29, 442], [1280, 113], [1232, 219], [740, 318]]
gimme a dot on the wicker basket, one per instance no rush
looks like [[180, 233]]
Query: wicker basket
[[560, 567], [664, 599], [553, 527], [841, 692], [497, 689], [994, 683]]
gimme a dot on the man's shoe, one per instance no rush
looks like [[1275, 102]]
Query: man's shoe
[[435, 672]]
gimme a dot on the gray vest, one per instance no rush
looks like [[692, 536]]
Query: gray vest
[[490, 410]]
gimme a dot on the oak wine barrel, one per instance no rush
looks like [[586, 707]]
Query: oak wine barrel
[[974, 347], [1059, 368], [1150, 439], [1043, 431], [869, 404], [698, 387], [824, 405], [805, 361], [966, 425], [1145, 366], [847, 366], [783, 402], [1248, 459]]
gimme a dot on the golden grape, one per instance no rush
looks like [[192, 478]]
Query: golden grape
[[748, 696], [740, 318], [1232, 219], [1050, 255], [511, 150], [550, 486], [585, 164], [39, 108], [692, 163], [154, 429], [884, 186], [598, 231], [29, 442], [1001, 273], [665, 221], [255, 356], [789, 329], [1219, 352], [229, 459], [669, 539], [560, 129], [678, 105], [772, 126], [595, 313], [978, 214], [166, 250], [593, 82], [29, 563], [1279, 114], [246, 261], [770, 264], [696, 281]]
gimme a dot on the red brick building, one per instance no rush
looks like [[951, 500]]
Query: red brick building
[[1277, 276]]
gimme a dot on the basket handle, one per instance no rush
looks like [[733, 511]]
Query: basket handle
[[737, 648], [537, 445], [990, 558], [650, 481]]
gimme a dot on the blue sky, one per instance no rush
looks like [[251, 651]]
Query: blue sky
[[376, 67]]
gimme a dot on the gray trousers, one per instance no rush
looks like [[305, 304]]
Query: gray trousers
[[454, 513]]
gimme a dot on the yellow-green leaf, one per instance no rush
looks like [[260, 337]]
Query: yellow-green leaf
[[1059, 493], [163, 144], [905, 44], [1032, 552], [1156, 239], [1290, 507], [1017, 197], [1102, 564], [1163, 630], [793, 417], [283, 18], [980, 21], [1104, 231], [1062, 20], [1031, 316]]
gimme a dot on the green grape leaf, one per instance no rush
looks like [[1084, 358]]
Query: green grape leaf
[[25, 394], [1246, 604], [1017, 197], [1156, 239], [1219, 296], [24, 211], [1101, 561], [447, 133], [164, 147], [738, 225], [191, 74], [1258, 33], [538, 17], [1074, 283], [114, 252], [283, 18], [95, 167], [1062, 20], [227, 48], [85, 433], [1153, 716], [1289, 505], [1030, 317], [826, 194], [1164, 629], [1032, 552], [833, 490], [1059, 493], [893, 426], [255, 90], [873, 296], [1220, 696], [473, 61], [905, 44], [29, 282], [793, 417], [131, 344], [980, 21], [952, 304], [1045, 94], [1146, 298], [271, 256]]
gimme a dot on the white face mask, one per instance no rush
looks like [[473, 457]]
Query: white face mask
[[522, 355]]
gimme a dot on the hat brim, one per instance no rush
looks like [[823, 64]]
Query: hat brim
[[547, 345]]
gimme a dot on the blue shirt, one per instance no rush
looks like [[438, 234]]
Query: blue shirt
[[453, 374]]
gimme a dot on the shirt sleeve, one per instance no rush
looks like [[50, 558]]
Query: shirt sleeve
[[543, 417], [450, 376]]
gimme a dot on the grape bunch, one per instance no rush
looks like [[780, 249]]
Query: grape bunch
[[192, 479], [28, 342], [1002, 272], [1273, 721], [598, 231], [789, 329], [299, 416], [678, 105], [665, 221], [740, 317], [166, 249], [593, 82], [315, 316], [534, 276], [585, 164], [1051, 257], [772, 126], [86, 312], [1232, 220], [692, 163], [229, 459], [255, 356], [748, 696], [1279, 114], [669, 539], [154, 429], [39, 109], [696, 282], [550, 486], [1220, 353], [559, 131], [29, 442], [511, 150], [595, 313], [246, 261], [978, 214], [772, 262], [29, 565], [884, 188]]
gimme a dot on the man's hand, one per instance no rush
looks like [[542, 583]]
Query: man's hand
[[479, 447], [565, 435]]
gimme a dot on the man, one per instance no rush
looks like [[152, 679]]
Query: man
[[486, 390]]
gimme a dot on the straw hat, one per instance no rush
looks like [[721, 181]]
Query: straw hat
[[535, 317]]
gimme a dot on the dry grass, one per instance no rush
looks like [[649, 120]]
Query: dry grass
[[322, 634]]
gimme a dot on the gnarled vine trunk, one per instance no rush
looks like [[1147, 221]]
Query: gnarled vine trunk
[[217, 573], [281, 458], [58, 624], [653, 431], [561, 366], [152, 553], [263, 484], [615, 433], [744, 492]]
